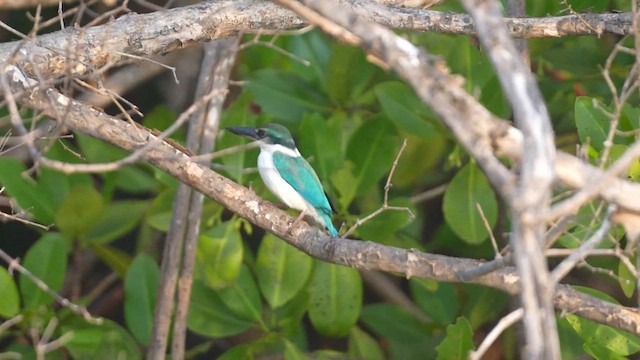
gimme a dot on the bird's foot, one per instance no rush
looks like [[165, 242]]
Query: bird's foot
[[296, 221]]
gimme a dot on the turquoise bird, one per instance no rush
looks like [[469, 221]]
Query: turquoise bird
[[287, 174]]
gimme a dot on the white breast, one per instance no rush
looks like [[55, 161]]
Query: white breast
[[277, 185]]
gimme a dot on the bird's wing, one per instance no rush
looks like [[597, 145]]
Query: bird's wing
[[300, 175]]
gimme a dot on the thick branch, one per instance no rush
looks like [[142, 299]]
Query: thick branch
[[164, 31], [357, 254], [535, 181]]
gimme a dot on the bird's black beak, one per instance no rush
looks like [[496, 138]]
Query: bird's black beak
[[244, 131]]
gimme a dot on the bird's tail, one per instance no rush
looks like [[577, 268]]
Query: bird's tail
[[329, 225]]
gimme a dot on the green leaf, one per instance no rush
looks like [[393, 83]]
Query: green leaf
[[487, 303], [372, 148], [209, 316], [289, 315], [468, 188], [79, 211], [23, 351], [47, 260], [572, 344], [135, 180], [619, 342], [291, 352], [58, 185], [593, 125], [116, 259], [402, 106], [626, 279], [458, 343], [363, 345], [238, 114], [118, 219], [10, 300], [336, 298], [384, 226], [282, 270], [161, 210], [406, 337], [440, 302], [630, 119], [316, 49], [243, 296], [140, 289], [96, 341], [97, 151], [238, 352], [32, 197], [319, 140], [347, 75], [285, 94], [219, 254], [346, 184], [420, 157], [160, 118], [634, 170], [588, 6], [600, 352]]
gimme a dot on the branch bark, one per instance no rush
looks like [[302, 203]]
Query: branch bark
[[84, 49], [533, 193]]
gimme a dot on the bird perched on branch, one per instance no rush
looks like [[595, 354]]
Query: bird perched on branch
[[287, 174]]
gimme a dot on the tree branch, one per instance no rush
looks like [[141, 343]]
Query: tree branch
[[164, 31], [533, 193]]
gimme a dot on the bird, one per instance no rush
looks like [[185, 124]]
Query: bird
[[287, 174]]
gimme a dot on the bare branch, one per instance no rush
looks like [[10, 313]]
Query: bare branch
[[216, 68], [597, 185], [144, 35], [533, 194]]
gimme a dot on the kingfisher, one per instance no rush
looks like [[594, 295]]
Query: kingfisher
[[287, 174]]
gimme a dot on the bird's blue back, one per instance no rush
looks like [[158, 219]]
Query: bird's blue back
[[300, 175]]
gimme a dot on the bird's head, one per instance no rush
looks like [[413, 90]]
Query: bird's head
[[275, 134]]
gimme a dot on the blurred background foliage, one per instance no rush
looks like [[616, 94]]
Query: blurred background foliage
[[254, 295]]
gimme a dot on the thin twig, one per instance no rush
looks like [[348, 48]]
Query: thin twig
[[430, 194], [579, 254], [173, 69], [502, 325], [25, 221], [225, 152], [6, 325], [385, 205], [77, 309], [507, 260], [43, 346], [494, 243], [271, 45]]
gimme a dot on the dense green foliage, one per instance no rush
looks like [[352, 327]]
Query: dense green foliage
[[263, 296]]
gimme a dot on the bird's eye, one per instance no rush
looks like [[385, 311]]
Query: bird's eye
[[261, 133]]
